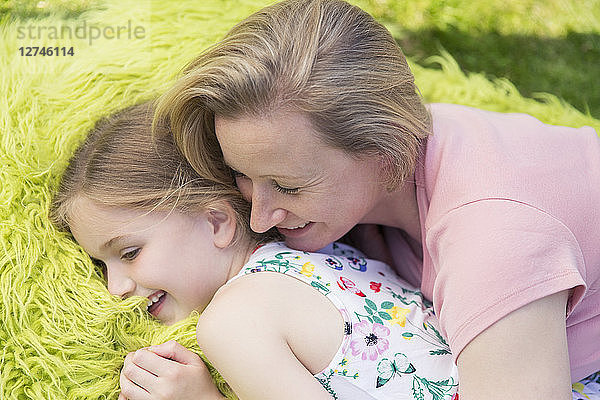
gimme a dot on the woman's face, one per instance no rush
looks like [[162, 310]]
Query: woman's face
[[311, 192]]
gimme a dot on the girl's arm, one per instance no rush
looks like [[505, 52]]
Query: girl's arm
[[245, 333], [522, 356]]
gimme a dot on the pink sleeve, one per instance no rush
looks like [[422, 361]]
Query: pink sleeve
[[494, 256]]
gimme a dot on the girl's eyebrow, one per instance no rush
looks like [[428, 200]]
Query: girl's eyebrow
[[114, 241]]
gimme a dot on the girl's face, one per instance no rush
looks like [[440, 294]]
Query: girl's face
[[169, 258], [311, 192]]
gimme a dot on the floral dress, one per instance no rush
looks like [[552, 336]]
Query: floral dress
[[392, 346], [587, 388]]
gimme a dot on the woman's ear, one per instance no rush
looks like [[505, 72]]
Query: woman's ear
[[224, 223]]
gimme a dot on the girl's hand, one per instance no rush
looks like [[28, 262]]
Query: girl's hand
[[166, 371]]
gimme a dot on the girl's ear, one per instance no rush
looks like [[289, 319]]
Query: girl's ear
[[223, 222]]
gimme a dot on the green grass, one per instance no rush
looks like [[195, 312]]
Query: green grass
[[29, 9], [62, 335], [550, 46]]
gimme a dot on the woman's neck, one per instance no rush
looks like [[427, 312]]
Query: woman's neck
[[398, 209]]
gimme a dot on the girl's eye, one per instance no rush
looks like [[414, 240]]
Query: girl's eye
[[100, 265], [285, 190], [130, 255]]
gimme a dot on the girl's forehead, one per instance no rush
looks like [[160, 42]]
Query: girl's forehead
[[94, 225], [85, 212], [82, 207], [90, 218]]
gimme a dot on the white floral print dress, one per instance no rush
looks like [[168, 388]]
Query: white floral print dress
[[392, 346]]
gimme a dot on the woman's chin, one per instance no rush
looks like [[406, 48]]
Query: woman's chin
[[307, 243]]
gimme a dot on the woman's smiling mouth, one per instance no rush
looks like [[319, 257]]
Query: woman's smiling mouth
[[295, 231]]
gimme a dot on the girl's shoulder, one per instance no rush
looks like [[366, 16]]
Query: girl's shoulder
[[271, 299], [244, 310], [275, 309]]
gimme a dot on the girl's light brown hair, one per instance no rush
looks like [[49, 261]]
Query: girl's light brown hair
[[120, 164], [325, 58]]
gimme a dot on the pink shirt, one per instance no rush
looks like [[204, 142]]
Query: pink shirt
[[510, 213]]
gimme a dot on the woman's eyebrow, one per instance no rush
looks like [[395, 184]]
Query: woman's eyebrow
[[270, 176]]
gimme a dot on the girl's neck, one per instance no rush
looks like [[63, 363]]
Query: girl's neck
[[241, 253]]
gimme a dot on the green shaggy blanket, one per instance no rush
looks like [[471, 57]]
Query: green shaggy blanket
[[62, 336]]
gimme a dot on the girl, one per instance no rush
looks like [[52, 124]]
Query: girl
[[495, 217], [345, 327]]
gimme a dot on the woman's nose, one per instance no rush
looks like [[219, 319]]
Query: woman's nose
[[119, 284], [264, 214]]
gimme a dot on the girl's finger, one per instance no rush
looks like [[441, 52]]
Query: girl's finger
[[131, 391], [151, 362], [176, 352], [138, 374], [161, 361]]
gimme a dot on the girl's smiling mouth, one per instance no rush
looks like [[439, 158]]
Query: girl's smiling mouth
[[155, 302]]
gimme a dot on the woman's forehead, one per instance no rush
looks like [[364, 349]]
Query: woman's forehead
[[285, 128], [281, 142]]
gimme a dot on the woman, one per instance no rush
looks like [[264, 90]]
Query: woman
[[494, 216]]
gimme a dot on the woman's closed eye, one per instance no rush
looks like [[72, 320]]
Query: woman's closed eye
[[281, 189], [130, 254], [285, 190]]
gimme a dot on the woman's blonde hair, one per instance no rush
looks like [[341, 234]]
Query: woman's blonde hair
[[120, 164], [325, 58]]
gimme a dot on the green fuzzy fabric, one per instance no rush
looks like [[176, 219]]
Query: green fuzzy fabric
[[62, 335]]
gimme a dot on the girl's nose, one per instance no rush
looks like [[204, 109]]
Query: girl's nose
[[119, 284], [264, 214]]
